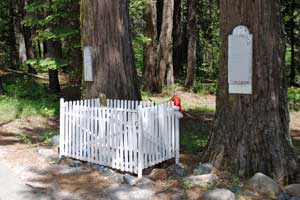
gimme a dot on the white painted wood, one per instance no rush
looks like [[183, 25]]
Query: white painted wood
[[140, 146], [88, 63], [240, 53], [62, 128], [125, 135]]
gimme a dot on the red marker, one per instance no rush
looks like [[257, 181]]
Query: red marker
[[177, 102]]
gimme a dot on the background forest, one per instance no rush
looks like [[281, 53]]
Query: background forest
[[26, 26], [42, 39], [177, 51]]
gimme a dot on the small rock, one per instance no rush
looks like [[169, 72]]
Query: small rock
[[126, 192], [54, 141], [130, 180], [158, 174], [194, 193], [203, 169], [145, 182], [75, 164], [178, 196], [47, 152], [239, 197], [295, 198], [250, 193], [108, 172], [99, 168], [71, 171], [118, 178], [293, 189], [202, 180], [264, 184], [236, 189], [219, 194], [180, 170], [283, 196]]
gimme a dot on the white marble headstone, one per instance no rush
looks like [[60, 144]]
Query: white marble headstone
[[240, 48], [88, 63]]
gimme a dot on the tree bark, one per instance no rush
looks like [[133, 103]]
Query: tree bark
[[177, 39], [53, 50], [159, 16], [292, 42], [251, 132], [165, 61], [12, 50], [192, 43], [106, 28], [29, 48], [25, 40], [150, 58]]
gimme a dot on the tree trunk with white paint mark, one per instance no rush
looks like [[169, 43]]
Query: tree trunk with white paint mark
[[251, 132], [105, 27]]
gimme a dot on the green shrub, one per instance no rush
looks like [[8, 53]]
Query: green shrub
[[294, 98], [23, 97], [185, 184], [204, 88]]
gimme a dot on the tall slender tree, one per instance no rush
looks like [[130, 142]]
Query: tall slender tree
[[251, 132], [178, 50], [150, 57], [11, 38], [192, 43], [165, 60], [105, 28]]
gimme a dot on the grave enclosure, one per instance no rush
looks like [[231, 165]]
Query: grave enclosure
[[125, 135]]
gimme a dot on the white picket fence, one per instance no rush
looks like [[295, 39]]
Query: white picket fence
[[126, 135]]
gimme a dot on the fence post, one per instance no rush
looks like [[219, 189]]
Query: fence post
[[178, 115], [140, 143], [61, 128]]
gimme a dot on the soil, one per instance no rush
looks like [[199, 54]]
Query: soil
[[45, 175]]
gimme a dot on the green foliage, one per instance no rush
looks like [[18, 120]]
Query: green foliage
[[138, 44], [23, 97], [24, 138], [47, 63], [136, 12], [25, 87], [294, 98], [201, 88], [235, 181], [54, 21], [47, 136], [296, 144], [185, 184]]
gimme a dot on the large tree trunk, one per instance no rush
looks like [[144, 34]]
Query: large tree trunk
[[251, 132], [105, 27], [12, 45], [29, 48], [192, 43], [77, 63], [25, 40], [53, 50], [159, 16], [150, 58], [165, 61], [292, 42], [177, 39]]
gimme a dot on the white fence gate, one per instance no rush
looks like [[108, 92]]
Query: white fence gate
[[126, 135]]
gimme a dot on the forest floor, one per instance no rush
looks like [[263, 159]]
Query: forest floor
[[27, 125]]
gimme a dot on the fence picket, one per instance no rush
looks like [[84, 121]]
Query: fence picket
[[125, 135], [62, 128]]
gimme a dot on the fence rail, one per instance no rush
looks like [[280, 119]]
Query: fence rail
[[126, 135]]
